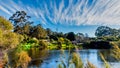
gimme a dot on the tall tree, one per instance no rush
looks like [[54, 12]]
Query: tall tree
[[80, 37], [70, 36], [103, 31], [49, 32], [20, 19], [38, 32], [107, 31]]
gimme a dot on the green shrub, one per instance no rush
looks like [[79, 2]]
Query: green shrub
[[33, 40]]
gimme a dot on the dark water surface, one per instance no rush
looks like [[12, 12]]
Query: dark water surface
[[52, 58]]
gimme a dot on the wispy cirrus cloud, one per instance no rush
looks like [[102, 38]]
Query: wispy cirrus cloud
[[81, 12]]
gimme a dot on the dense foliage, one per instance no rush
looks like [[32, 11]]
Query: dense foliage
[[106, 31], [8, 39], [70, 36], [20, 19], [38, 31], [23, 25]]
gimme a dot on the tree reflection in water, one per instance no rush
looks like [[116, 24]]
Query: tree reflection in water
[[37, 56], [33, 57], [108, 55]]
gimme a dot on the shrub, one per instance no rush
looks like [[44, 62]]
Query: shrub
[[18, 59], [8, 39], [33, 40]]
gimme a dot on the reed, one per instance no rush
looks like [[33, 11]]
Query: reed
[[77, 60], [116, 51], [106, 64], [90, 65]]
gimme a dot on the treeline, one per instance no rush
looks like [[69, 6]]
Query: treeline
[[107, 34], [25, 27], [18, 35], [19, 29], [107, 31], [20, 24]]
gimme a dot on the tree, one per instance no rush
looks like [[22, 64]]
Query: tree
[[107, 31], [26, 29], [119, 33], [115, 32], [70, 36], [49, 32], [56, 35], [60, 34], [38, 32], [80, 37], [103, 31], [20, 19]]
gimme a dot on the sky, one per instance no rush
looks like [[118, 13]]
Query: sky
[[79, 16]]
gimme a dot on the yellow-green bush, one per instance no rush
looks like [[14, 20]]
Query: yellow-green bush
[[8, 39], [61, 40], [5, 24]]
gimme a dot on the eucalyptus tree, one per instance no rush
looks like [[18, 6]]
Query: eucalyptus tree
[[21, 22]]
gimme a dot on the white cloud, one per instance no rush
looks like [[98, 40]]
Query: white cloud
[[100, 12], [5, 10]]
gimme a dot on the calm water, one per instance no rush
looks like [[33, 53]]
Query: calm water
[[54, 57]]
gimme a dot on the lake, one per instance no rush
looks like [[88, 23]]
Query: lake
[[53, 58]]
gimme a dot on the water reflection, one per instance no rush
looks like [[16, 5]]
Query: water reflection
[[55, 56], [18, 57], [107, 55], [37, 56], [51, 58]]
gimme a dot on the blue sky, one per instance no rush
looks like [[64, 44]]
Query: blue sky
[[82, 16]]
